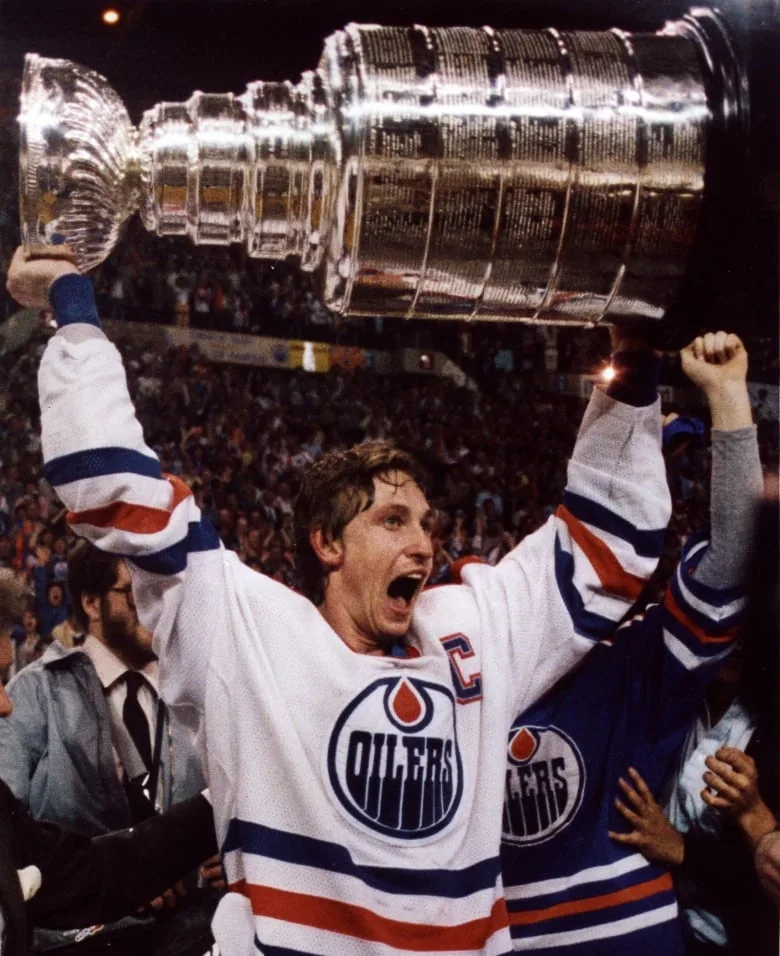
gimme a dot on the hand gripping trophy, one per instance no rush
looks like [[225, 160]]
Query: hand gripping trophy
[[530, 175]]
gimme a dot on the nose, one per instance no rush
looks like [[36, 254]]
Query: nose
[[6, 705], [421, 545]]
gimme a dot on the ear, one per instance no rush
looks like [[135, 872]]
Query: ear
[[329, 551], [90, 604]]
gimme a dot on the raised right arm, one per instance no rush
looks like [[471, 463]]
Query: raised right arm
[[109, 479]]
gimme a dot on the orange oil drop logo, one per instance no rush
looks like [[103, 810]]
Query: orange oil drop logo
[[406, 703], [523, 745]]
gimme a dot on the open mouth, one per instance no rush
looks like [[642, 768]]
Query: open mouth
[[405, 587]]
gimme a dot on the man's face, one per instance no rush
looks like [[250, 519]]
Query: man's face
[[122, 631], [385, 557]]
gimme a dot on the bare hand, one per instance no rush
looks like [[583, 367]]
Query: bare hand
[[715, 359], [767, 860], [29, 279], [211, 872], [733, 776], [169, 898], [653, 835]]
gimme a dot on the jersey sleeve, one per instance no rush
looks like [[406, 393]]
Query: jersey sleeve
[[699, 624], [112, 484], [569, 584]]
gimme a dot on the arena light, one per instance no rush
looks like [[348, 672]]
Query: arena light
[[110, 17], [608, 373]]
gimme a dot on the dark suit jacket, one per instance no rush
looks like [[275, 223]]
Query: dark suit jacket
[[93, 881]]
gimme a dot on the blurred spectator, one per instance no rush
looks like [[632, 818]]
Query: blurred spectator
[[28, 643]]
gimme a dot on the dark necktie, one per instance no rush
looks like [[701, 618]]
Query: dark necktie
[[135, 718]]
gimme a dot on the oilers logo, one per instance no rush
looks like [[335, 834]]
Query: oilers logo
[[545, 781], [393, 758]]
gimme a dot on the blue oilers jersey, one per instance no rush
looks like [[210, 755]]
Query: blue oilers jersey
[[570, 889]]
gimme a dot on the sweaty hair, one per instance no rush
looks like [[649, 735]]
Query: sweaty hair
[[91, 572], [334, 490]]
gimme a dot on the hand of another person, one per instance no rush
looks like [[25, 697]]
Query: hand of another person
[[733, 776], [211, 873], [169, 898], [29, 279], [714, 360], [767, 861], [653, 835]]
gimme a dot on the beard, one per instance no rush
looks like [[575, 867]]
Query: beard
[[120, 634]]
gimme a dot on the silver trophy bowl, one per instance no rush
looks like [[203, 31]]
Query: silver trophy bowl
[[502, 175]]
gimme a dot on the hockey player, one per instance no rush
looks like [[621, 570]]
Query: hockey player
[[353, 739], [581, 758]]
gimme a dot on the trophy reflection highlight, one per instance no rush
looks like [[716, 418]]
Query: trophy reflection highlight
[[530, 175]]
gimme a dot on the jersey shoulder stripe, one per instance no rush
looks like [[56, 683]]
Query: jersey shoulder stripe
[[586, 623], [613, 577], [648, 543]]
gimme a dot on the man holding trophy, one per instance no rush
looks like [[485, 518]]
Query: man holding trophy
[[353, 740]]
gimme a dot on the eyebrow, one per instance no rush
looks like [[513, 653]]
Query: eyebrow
[[392, 506]]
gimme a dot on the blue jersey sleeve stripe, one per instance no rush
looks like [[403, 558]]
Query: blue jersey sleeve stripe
[[332, 857], [717, 597], [96, 462], [647, 544], [201, 536], [703, 620], [700, 649], [586, 623]]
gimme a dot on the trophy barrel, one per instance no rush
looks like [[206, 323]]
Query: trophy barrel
[[523, 175]]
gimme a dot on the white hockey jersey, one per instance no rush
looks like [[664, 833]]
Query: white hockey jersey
[[357, 798]]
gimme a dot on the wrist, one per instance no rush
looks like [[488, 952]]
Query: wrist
[[756, 823], [59, 269], [730, 407], [677, 854]]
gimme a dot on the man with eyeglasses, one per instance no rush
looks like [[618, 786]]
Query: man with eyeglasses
[[90, 745]]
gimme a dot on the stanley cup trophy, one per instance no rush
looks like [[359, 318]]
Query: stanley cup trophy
[[503, 175]]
